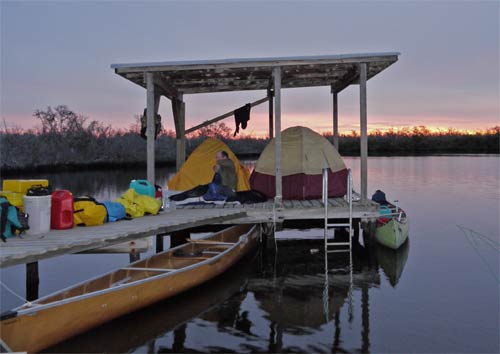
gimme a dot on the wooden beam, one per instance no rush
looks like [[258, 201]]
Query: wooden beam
[[335, 120], [150, 130], [257, 63], [243, 79], [278, 199], [270, 95], [222, 116], [167, 90], [244, 86], [350, 77], [364, 131]]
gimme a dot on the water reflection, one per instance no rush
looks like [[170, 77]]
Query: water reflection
[[392, 262], [399, 312], [267, 303]]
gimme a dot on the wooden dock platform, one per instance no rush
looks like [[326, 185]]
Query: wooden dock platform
[[338, 208], [31, 248], [58, 242]]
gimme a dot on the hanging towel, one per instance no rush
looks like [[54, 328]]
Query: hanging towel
[[144, 124], [242, 116]]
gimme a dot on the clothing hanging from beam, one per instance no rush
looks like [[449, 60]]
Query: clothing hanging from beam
[[144, 125], [242, 116]]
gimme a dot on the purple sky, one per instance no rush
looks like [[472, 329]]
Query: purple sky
[[60, 53]]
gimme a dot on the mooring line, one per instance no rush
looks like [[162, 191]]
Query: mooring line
[[492, 272], [490, 242], [14, 293]]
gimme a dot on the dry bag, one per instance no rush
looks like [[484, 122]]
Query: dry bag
[[88, 212]]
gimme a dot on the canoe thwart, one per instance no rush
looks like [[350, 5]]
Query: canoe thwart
[[209, 242], [149, 269]]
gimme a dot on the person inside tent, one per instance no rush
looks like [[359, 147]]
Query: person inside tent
[[224, 183]]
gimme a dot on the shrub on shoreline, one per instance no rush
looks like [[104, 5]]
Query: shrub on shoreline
[[66, 140]]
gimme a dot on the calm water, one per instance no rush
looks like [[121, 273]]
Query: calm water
[[439, 293]]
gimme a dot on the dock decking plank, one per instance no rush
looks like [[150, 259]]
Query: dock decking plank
[[32, 248]]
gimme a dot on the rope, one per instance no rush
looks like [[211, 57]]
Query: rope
[[487, 240], [473, 242], [15, 294]]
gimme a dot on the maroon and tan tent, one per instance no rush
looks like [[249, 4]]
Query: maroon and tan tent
[[304, 154]]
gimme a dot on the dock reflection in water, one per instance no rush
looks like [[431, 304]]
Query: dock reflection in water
[[266, 303]]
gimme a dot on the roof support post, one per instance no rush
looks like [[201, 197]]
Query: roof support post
[[179, 111], [270, 95], [152, 103], [335, 119], [363, 131], [277, 130]]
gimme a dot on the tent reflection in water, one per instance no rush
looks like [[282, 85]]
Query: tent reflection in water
[[198, 168], [305, 153]]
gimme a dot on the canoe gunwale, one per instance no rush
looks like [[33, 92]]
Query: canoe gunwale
[[35, 307]]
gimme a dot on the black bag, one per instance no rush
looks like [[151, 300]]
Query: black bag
[[39, 190], [197, 191], [379, 197], [248, 197]]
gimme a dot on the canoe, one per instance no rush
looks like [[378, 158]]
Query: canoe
[[158, 319], [61, 315], [392, 227]]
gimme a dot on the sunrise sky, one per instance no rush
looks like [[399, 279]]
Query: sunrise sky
[[59, 52]]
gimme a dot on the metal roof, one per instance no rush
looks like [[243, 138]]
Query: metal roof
[[204, 76]]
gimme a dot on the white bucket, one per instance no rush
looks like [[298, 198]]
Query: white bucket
[[38, 209]]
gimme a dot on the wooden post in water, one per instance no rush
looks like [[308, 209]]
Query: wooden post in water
[[335, 120], [134, 256], [365, 319], [32, 281], [363, 131], [270, 95], [179, 237], [150, 130], [278, 199], [159, 243]]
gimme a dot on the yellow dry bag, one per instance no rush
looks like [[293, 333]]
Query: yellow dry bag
[[88, 212], [136, 205]]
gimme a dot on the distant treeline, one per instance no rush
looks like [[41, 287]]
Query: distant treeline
[[66, 140]]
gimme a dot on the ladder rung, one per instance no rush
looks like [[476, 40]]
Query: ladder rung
[[339, 225], [338, 244], [336, 251]]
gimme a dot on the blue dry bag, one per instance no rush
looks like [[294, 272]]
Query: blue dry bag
[[116, 211]]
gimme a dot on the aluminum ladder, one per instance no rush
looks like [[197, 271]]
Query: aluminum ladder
[[330, 245], [349, 197]]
